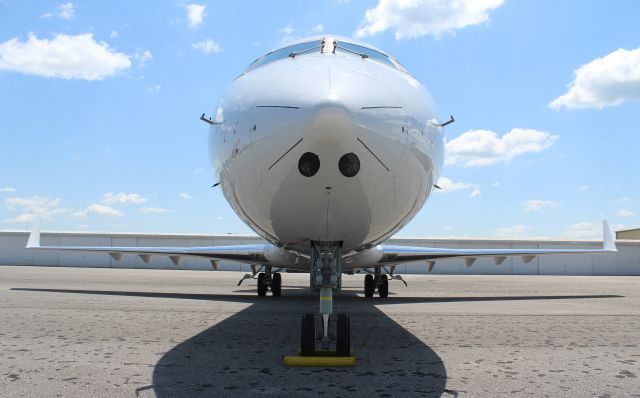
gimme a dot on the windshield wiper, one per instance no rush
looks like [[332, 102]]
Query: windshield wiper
[[335, 45], [294, 54]]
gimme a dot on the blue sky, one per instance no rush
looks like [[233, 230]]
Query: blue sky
[[100, 104]]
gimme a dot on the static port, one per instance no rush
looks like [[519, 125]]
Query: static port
[[349, 165], [309, 164]]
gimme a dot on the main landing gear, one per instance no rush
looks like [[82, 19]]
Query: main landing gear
[[380, 281], [266, 280], [372, 283]]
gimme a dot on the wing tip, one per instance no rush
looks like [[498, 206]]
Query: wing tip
[[608, 238], [34, 236]]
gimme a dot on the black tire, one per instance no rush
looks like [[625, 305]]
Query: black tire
[[343, 341], [369, 285], [308, 336], [276, 284], [262, 285], [383, 288]]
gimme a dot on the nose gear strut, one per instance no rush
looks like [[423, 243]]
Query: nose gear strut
[[325, 277]]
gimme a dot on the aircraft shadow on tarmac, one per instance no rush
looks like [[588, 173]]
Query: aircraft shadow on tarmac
[[242, 355]]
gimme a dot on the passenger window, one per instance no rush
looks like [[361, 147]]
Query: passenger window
[[281, 53]]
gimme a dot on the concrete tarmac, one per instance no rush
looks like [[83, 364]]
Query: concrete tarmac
[[78, 332]]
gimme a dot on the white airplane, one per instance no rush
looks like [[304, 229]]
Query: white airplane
[[325, 148]]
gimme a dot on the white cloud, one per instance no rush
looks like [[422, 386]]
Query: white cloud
[[537, 205], [197, 170], [208, 46], [606, 81], [287, 34], [113, 34], [318, 28], [623, 199], [65, 11], [584, 230], [195, 14], [27, 218], [516, 230], [66, 57], [496, 184], [153, 89], [142, 56], [33, 208], [154, 210], [42, 201], [134, 198], [34, 201], [484, 147], [584, 187], [7, 189], [100, 210], [287, 30], [626, 213], [588, 230], [449, 186], [185, 195], [414, 18]]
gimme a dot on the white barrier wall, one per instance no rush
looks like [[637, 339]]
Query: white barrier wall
[[625, 262]]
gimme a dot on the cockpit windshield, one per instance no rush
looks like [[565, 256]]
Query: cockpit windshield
[[318, 46], [289, 51], [365, 52]]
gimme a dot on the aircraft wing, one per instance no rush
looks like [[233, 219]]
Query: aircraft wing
[[403, 254], [252, 254]]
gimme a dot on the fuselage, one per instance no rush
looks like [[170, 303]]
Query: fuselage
[[326, 144]]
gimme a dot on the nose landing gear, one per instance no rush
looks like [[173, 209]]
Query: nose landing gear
[[326, 276], [309, 338], [343, 336]]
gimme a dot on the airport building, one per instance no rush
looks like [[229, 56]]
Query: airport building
[[632, 234], [625, 262]]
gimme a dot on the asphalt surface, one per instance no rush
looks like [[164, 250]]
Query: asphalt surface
[[74, 332]]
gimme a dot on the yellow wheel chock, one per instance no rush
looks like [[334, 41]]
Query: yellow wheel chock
[[323, 358]]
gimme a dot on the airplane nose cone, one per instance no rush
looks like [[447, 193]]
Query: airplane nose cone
[[331, 125], [345, 103]]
